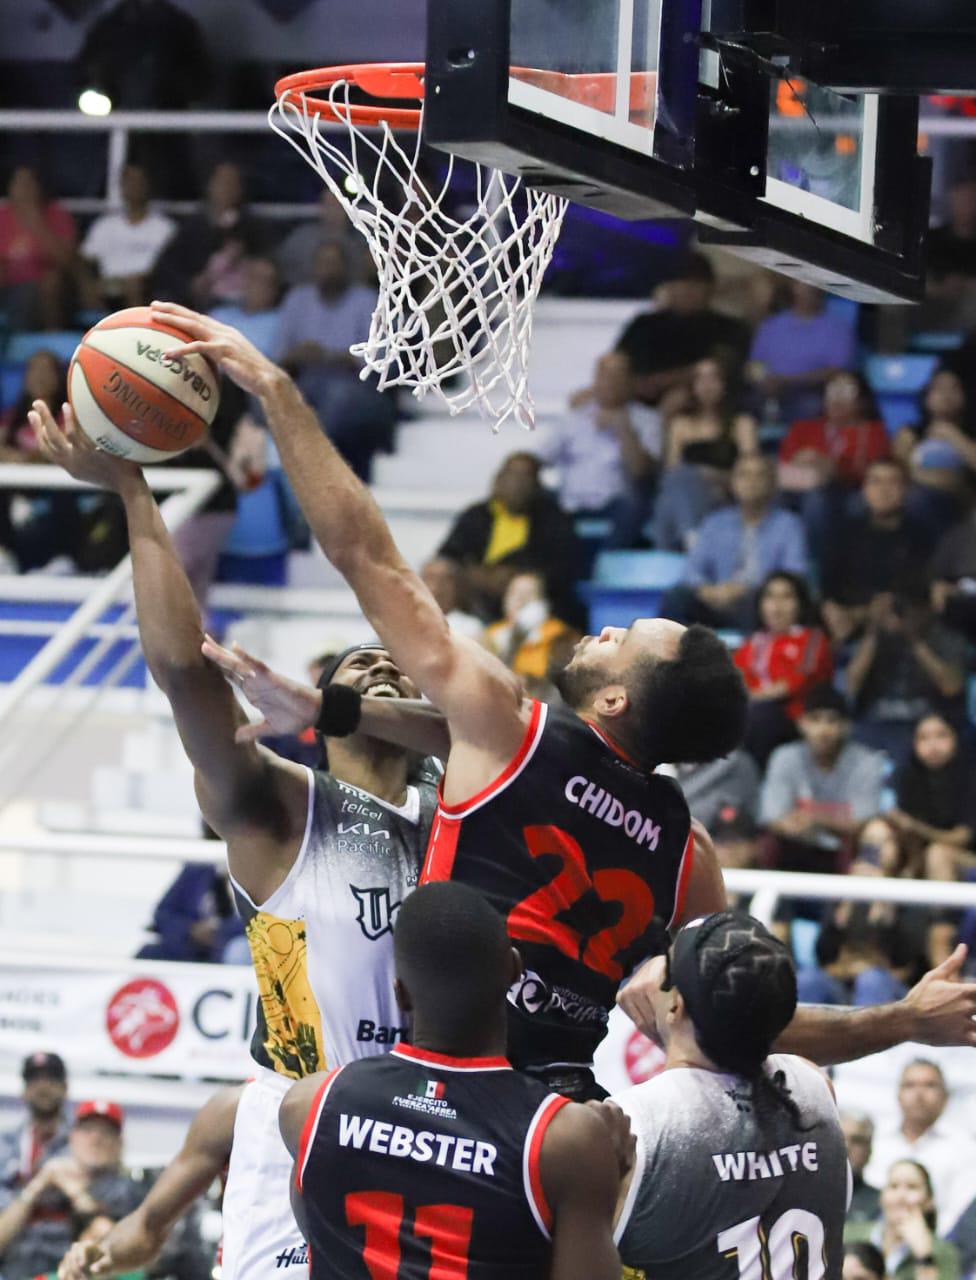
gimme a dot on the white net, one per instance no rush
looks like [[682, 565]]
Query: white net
[[454, 313]]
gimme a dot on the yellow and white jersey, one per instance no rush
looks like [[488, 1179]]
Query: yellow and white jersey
[[322, 944]]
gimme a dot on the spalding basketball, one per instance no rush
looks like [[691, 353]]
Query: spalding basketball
[[130, 398]]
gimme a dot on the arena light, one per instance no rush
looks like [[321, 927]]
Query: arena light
[[92, 102]]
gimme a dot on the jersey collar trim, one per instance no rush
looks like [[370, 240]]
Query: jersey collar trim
[[615, 747], [447, 1063]]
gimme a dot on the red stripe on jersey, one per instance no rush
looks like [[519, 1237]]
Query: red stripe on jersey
[[441, 849], [310, 1127], [433, 1059], [507, 774], [684, 875], [615, 747], [531, 1172]]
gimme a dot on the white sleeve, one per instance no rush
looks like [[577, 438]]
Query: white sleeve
[[94, 245]]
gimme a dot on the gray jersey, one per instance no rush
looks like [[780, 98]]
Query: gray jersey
[[716, 1197], [322, 944]]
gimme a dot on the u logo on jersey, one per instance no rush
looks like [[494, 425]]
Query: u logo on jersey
[[376, 911]]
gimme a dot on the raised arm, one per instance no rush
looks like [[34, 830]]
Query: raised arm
[[251, 798], [580, 1177], [137, 1239], [479, 696], [288, 706]]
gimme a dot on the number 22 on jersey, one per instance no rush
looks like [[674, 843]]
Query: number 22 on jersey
[[537, 918]]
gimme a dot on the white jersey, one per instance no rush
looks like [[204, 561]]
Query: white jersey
[[322, 944], [720, 1194], [260, 1236]]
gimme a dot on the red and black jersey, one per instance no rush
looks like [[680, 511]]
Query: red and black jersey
[[417, 1166], [585, 855]]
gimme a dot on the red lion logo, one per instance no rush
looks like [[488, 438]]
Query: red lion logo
[[142, 1018]]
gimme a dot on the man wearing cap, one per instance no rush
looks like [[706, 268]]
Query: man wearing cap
[[45, 1130], [41, 1220], [740, 1166]]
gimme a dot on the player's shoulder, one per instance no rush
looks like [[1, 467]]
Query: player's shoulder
[[803, 1077]]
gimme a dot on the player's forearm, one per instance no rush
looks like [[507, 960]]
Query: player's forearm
[[415, 725], [132, 1243], [828, 1034], [339, 508], [169, 617]]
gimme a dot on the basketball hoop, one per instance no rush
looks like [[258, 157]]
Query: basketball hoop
[[454, 313]]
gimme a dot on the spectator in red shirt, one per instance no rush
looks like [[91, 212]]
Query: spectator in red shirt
[[37, 248], [780, 663], [822, 460]]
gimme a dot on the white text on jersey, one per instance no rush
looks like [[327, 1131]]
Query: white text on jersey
[[750, 1165], [466, 1155], [605, 806]]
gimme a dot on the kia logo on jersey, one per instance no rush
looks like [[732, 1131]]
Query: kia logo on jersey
[[376, 911], [142, 1018]]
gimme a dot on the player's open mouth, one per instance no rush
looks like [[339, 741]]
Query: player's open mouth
[[383, 689]]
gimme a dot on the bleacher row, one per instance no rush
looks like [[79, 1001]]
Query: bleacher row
[[623, 584]]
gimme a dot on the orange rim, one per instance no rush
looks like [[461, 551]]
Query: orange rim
[[406, 80], [380, 79]]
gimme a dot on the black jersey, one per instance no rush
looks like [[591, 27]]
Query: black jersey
[[416, 1165], [582, 852]]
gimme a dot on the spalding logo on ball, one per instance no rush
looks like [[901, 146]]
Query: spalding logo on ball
[[133, 400]]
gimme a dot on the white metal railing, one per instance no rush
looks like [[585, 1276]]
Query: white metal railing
[[119, 124], [19, 754], [766, 888]]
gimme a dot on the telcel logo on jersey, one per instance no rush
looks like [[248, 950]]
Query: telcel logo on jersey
[[428, 1098], [605, 806]]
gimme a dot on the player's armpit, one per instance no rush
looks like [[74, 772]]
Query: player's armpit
[[705, 890], [295, 1108], [580, 1180]]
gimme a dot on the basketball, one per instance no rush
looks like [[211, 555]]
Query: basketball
[[130, 398]]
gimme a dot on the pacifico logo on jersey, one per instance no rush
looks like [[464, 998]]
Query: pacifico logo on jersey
[[604, 805], [142, 1018]]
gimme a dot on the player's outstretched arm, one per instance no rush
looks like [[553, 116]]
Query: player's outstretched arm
[[479, 696], [137, 1239], [252, 799], [939, 1009], [288, 706], [580, 1177]]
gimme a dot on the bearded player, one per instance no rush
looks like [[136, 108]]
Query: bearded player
[[319, 861], [557, 816]]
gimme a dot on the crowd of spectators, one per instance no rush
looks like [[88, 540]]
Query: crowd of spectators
[[838, 555], [63, 1177]]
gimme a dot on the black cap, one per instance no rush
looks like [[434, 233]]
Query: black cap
[[826, 698], [44, 1064]]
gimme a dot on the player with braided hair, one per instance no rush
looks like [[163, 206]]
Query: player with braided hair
[[740, 1166]]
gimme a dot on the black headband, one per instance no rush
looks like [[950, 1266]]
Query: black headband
[[336, 661]]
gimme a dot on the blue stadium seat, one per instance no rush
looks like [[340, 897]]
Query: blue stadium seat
[[62, 342], [937, 341], [11, 382], [639, 570], [896, 382], [628, 585]]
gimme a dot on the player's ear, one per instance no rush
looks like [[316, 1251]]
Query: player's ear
[[404, 1003], [676, 1007], [611, 701]]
